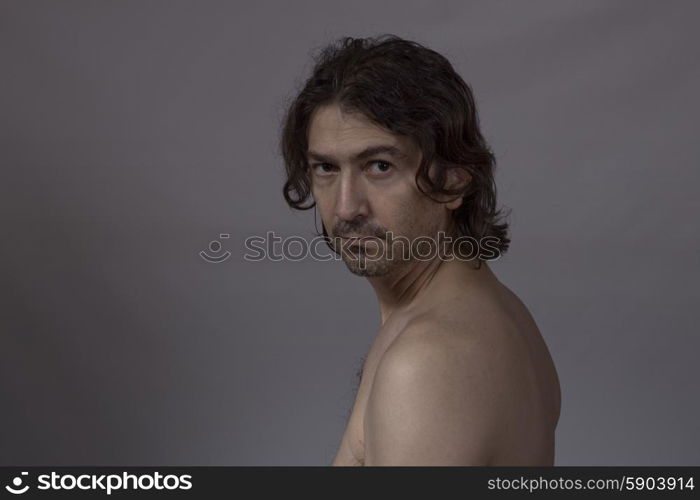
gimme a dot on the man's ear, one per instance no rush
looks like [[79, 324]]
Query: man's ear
[[457, 178]]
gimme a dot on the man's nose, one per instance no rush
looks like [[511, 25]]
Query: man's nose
[[351, 200]]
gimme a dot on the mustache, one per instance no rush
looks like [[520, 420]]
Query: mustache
[[344, 228]]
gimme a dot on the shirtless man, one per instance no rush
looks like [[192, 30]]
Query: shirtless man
[[458, 372]]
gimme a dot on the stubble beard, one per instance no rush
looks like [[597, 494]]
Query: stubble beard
[[378, 264], [359, 265]]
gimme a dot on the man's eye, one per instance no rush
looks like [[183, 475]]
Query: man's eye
[[380, 167], [323, 168]]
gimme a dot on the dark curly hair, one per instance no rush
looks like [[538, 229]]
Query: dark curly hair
[[412, 91]]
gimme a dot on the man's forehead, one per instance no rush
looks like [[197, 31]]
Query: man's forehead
[[334, 135]]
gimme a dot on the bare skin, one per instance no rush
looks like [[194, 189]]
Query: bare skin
[[458, 373], [482, 321]]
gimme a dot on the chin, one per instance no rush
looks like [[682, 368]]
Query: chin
[[368, 269]]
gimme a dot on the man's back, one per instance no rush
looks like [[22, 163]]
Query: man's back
[[477, 344]]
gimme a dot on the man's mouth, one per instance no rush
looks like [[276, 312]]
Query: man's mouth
[[358, 241]]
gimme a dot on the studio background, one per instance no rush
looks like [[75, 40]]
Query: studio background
[[133, 134]]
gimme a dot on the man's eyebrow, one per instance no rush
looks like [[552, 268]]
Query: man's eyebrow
[[365, 153]]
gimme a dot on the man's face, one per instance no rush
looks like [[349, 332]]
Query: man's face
[[367, 195]]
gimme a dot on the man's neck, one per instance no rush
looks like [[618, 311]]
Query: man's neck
[[403, 288]]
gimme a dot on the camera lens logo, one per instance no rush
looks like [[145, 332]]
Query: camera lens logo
[[215, 247], [17, 483]]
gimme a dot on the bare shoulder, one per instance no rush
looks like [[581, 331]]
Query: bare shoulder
[[495, 317], [488, 323], [466, 383], [441, 398], [483, 357]]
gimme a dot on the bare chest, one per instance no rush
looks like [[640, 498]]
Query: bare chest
[[352, 447]]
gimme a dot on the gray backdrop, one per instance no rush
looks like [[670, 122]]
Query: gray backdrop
[[134, 133]]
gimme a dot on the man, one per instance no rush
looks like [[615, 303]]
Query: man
[[384, 136]]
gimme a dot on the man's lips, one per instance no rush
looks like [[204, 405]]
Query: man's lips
[[356, 240]]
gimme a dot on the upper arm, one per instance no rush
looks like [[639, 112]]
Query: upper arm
[[434, 402]]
